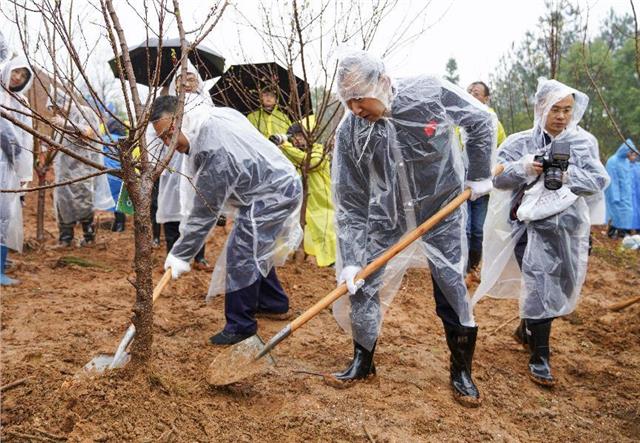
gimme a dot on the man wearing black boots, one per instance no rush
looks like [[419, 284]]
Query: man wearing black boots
[[396, 162], [539, 215]]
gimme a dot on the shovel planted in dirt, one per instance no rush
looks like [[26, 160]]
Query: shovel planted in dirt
[[245, 358], [102, 362]]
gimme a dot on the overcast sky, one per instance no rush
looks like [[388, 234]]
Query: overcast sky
[[476, 33]]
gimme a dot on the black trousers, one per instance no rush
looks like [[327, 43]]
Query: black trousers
[[444, 310], [172, 234], [264, 295]]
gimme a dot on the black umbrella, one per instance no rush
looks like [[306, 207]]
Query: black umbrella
[[240, 87], [144, 56]]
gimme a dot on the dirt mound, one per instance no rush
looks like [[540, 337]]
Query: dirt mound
[[67, 311]]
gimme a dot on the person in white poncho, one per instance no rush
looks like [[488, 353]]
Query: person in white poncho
[[75, 203], [536, 235]]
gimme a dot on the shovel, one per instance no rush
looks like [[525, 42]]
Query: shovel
[[107, 361], [245, 358]]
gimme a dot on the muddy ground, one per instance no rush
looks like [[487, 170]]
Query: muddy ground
[[63, 314]]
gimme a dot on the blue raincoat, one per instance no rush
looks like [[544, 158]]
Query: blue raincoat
[[636, 194], [619, 195]]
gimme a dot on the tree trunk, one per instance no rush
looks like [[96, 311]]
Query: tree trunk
[[140, 193], [42, 179]]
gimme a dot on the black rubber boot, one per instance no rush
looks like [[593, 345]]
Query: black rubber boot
[[88, 230], [65, 238], [520, 334], [474, 260], [538, 339], [462, 343], [361, 366], [118, 222]]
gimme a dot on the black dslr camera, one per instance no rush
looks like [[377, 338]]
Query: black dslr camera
[[554, 164]]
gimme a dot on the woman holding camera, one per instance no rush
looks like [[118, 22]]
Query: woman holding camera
[[540, 217]]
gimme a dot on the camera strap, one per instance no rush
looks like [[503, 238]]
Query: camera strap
[[517, 201]]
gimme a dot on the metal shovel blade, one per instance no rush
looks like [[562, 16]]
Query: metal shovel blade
[[102, 362], [238, 362]]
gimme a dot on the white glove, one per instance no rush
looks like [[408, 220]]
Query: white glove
[[347, 275], [178, 266], [479, 188]]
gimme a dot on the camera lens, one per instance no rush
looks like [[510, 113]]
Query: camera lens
[[553, 178]]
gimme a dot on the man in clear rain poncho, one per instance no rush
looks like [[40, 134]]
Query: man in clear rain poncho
[[397, 161], [536, 238], [75, 203], [235, 168]]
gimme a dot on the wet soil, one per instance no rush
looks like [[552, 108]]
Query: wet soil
[[65, 312]]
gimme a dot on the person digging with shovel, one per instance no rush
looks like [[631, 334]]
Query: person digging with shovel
[[397, 161], [235, 167]]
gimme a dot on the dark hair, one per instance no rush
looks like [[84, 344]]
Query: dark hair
[[116, 128], [163, 105], [294, 129], [487, 93]]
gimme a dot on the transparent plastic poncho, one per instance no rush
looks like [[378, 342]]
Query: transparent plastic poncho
[[554, 260], [15, 102], [236, 169], [77, 201], [392, 175], [11, 230]]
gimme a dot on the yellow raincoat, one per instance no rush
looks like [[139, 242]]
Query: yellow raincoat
[[319, 233], [269, 124]]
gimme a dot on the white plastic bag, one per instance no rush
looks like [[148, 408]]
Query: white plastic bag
[[539, 202]]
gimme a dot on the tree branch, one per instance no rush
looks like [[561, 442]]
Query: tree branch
[[114, 171]]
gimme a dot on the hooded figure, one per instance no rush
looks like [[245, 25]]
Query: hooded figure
[[319, 232], [193, 84], [620, 205], [269, 119], [396, 162], [16, 77], [174, 195], [542, 261], [636, 194], [75, 203], [235, 168], [11, 231]]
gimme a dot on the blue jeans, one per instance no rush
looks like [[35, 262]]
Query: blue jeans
[[476, 213]]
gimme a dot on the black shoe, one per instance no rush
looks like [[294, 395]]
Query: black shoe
[[202, 265], [538, 339], [88, 231], [361, 366], [462, 343], [474, 260], [224, 338], [520, 335], [222, 221]]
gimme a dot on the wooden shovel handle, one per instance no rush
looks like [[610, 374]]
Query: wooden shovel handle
[[166, 278], [382, 259], [624, 303]]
